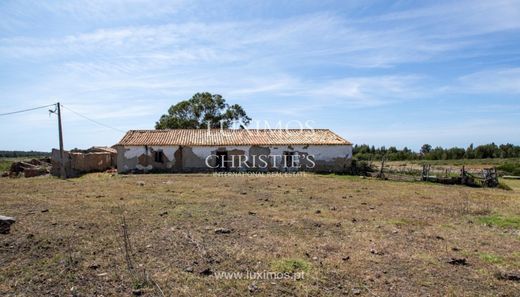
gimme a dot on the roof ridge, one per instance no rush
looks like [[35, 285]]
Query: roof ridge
[[201, 137], [213, 129]]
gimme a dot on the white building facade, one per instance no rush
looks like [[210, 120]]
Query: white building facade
[[200, 150]]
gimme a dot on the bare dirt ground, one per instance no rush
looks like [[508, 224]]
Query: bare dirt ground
[[350, 236]]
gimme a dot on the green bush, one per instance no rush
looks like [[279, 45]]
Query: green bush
[[510, 168]]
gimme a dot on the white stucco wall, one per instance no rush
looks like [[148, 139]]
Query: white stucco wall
[[194, 157], [128, 157]]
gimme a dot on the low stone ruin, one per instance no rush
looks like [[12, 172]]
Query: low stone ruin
[[78, 162], [30, 168]]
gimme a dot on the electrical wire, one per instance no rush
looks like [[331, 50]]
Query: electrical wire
[[92, 120], [75, 112], [25, 110]]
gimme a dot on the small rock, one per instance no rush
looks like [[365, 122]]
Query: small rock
[[252, 287], [222, 231], [510, 276], [318, 211], [376, 252], [189, 269], [45, 210], [206, 272], [140, 183], [137, 292], [455, 249], [356, 291], [163, 213], [315, 258], [354, 220], [93, 266], [345, 258], [5, 224], [458, 261], [251, 213], [333, 208], [243, 193]]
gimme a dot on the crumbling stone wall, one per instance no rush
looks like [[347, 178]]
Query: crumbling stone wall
[[142, 158], [77, 163], [327, 158]]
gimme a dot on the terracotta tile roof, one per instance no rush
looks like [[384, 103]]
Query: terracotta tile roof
[[217, 137]]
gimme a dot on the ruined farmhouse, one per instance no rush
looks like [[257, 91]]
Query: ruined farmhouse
[[208, 150]]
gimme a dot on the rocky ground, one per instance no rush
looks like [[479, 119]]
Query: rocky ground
[[175, 235]]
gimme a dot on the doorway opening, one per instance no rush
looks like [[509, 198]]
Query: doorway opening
[[222, 161]]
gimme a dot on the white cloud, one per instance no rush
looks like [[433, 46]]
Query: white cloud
[[498, 81], [459, 18], [310, 39]]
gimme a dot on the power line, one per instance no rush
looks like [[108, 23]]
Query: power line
[[92, 120], [25, 110], [75, 112]]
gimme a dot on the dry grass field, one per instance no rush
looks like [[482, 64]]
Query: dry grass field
[[347, 236]]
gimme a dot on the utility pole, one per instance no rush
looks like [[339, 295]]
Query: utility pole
[[62, 155]]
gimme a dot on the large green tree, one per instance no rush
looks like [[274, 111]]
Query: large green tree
[[201, 110]]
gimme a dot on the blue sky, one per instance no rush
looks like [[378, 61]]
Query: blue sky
[[378, 72]]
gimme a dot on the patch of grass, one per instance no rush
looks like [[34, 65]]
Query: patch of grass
[[491, 258], [290, 265], [449, 226], [428, 258], [5, 165], [504, 186], [406, 222], [501, 221], [340, 176], [514, 184]]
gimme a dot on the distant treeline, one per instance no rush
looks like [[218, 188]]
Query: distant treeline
[[16, 154], [366, 152]]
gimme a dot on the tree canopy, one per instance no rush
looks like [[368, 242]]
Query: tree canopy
[[203, 110], [427, 152]]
